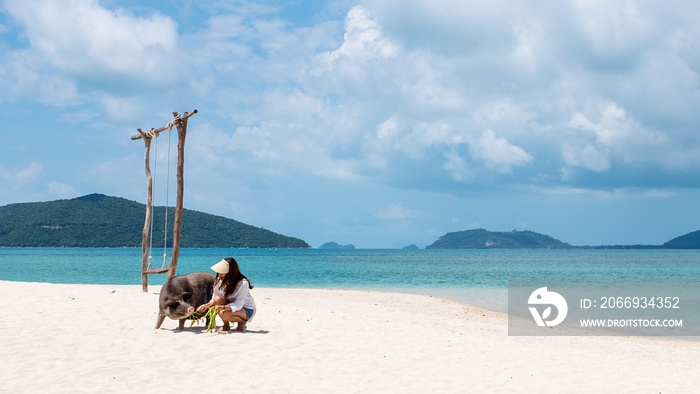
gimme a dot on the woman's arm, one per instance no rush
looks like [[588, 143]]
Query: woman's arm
[[203, 308]]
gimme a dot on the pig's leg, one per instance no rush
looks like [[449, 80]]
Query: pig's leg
[[159, 322]]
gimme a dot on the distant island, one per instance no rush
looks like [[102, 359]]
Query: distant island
[[687, 241], [411, 247], [97, 220], [334, 245], [484, 239]]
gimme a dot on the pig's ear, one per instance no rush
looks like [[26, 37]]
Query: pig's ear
[[186, 295]]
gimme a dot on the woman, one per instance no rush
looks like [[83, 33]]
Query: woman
[[231, 295]]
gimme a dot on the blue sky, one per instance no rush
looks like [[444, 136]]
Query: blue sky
[[377, 123]]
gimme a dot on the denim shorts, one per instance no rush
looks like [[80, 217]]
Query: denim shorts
[[248, 313]]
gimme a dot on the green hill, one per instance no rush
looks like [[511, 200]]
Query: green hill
[[688, 241], [483, 239], [97, 220]]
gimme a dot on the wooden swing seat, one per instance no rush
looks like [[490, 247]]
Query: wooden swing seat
[[156, 271]]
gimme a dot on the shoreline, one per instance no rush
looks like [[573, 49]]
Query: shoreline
[[101, 338], [493, 299]]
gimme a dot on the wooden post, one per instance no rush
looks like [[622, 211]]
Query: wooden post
[[181, 124], [149, 212]]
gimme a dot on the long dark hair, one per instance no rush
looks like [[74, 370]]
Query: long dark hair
[[233, 276]]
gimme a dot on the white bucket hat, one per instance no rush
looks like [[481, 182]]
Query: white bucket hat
[[221, 267]]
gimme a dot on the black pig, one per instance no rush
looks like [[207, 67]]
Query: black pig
[[181, 295]]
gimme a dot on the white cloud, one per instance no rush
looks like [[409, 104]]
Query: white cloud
[[288, 150], [384, 138], [424, 136], [62, 190], [457, 166], [497, 152], [614, 31], [430, 96], [115, 107], [659, 193], [363, 38], [22, 78], [86, 40], [427, 87], [387, 130], [530, 52], [588, 157], [28, 174], [608, 194], [612, 135], [397, 212]]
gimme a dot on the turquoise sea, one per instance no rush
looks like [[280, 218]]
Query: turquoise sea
[[475, 276]]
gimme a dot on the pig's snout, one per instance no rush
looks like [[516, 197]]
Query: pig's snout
[[190, 310]]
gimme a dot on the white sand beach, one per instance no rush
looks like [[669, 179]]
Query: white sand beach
[[101, 338]]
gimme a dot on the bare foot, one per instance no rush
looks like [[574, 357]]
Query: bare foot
[[241, 327], [225, 327]]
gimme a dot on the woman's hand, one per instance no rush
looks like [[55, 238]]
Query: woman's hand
[[203, 308]]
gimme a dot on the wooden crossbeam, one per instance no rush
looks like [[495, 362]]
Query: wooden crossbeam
[[150, 132]]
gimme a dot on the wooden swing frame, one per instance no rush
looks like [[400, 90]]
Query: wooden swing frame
[[180, 123]]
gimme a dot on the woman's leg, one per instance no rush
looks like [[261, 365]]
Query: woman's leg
[[238, 316]]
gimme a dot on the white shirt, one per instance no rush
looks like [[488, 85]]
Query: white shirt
[[240, 298]]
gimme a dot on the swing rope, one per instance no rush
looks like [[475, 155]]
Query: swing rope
[[167, 194], [153, 187], [152, 134]]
